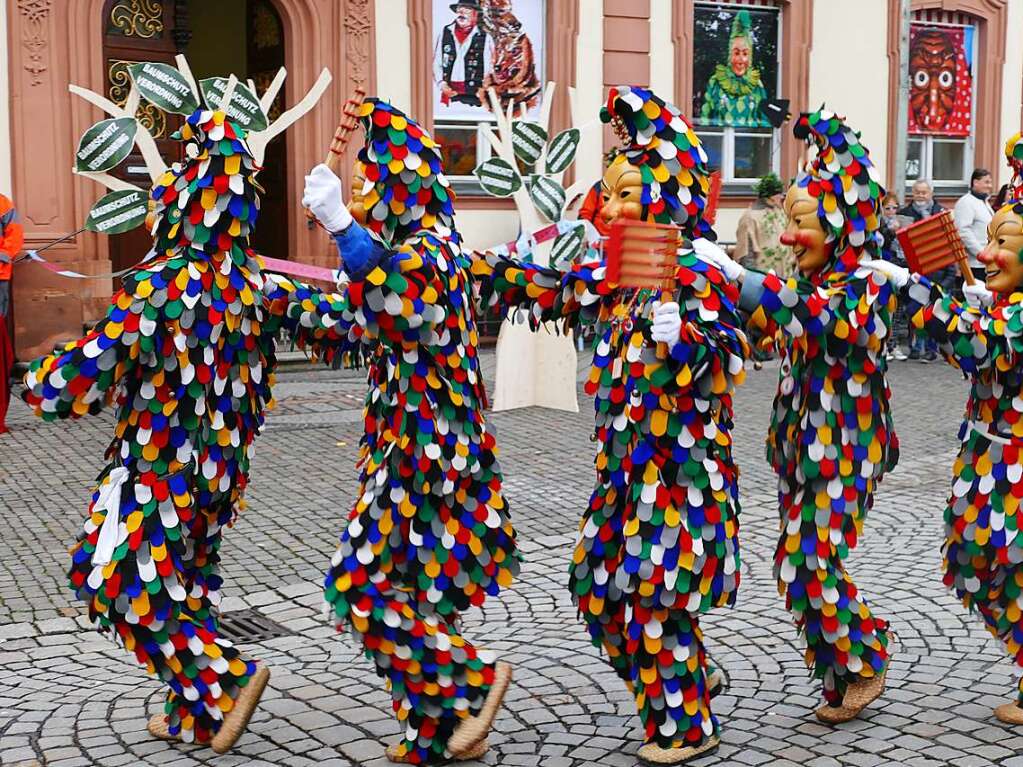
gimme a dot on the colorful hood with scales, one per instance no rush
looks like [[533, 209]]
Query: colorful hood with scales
[[210, 201], [1014, 156], [406, 190], [845, 184], [658, 140]]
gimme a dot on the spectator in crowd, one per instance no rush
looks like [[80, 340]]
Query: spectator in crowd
[[923, 205], [972, 214], [757, 243], [891, 222], [12, 237]]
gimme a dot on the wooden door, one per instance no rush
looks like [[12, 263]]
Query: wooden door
[[265, 53], [136, 31]]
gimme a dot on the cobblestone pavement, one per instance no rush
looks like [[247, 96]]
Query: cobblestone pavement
[[70, 697]]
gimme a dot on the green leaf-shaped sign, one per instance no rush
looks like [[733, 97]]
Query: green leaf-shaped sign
[[163, 86], [118, 212], [548, 196], [567, 246], [562, 150], [244, 109], [528, 140], [498, 177], [105, 144]]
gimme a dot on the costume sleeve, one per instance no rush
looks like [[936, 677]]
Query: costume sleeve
[[971, 339], [83, 377], [709, 356], [795, 307], [13, 236], [319, 322], [507, 284], [710, 100]]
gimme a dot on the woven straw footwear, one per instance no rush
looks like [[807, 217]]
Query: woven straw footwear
[[476, 752], [159, 728], [474, 729], [651, 753], [238, 717], [1010, 713]]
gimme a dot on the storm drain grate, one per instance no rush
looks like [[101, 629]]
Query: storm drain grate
[[249, 626]]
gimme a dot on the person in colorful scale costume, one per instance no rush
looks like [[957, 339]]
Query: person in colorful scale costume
[[831, 438], [983, 549], [430, 534], [186, 355], [658, 544]]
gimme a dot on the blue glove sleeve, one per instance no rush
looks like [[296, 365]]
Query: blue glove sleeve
[[359, 252]]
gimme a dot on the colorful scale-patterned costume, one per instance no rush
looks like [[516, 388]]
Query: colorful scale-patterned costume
[[658, 544], [186, 355], [430, 534], [831, 438]]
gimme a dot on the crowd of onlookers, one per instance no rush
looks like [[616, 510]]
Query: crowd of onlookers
[[760, 228]]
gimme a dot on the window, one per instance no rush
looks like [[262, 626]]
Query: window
[[736, 65], [501, 48], [942, 94]]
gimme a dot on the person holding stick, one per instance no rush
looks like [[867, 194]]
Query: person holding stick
[[983, 548], [430, 534], [831, 438], [658, 544]]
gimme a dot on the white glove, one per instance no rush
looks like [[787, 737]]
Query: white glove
[[325, 198], [978, 296], [898, 276], [667, 323], [710, 253]]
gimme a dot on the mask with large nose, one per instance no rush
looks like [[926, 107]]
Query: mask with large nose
[[1003, 256], [621, 192], [804, 233]]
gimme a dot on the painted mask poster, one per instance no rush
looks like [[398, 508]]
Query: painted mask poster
[[940, 80], [735, 65], [483, 44]]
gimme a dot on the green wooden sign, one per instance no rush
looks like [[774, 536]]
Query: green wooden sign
[[164, 87], [498, 177], [567, 246], [548, 196], [562, 150], [105, 144], [528, 140], [118, 212], [244, 109]]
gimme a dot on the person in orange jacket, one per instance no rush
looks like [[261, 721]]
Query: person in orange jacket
[[12, 237]]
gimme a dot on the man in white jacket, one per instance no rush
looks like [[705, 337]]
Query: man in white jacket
[[972, 215]]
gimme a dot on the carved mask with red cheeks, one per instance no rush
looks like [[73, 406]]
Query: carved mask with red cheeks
[[1003, 256], [932, 79]]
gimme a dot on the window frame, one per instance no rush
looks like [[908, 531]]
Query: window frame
[[928, 141], [730, 184]]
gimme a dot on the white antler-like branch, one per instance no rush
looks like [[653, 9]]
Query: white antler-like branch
[[258, 141], [272, 90], [186, 72], [143, 138], [225, 102]]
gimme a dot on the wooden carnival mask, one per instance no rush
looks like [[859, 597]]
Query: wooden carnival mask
[[804, 233], [621, 192], [932, 90], [356, 202], [1003, 256]]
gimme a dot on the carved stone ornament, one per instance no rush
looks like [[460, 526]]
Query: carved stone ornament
[[358, 46], [34, 36]]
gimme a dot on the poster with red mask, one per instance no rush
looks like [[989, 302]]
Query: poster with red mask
[[940, 80]]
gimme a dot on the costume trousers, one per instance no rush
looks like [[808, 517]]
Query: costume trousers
[[159, 594], [845, 642], [659, 654], [996, 590]]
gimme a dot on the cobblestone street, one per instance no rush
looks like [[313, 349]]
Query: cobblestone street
[[69, 697]]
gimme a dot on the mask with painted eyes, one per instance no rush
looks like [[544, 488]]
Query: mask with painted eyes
[[1003, 256], [804, 233], [621, 192], [932, 77]]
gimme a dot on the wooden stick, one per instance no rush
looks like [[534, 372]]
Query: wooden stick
[[346, 125]]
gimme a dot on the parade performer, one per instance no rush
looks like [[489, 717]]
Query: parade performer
[[186, 355], [983, 549], [658, 544], [735, 90], [430, 534], [831, 438]]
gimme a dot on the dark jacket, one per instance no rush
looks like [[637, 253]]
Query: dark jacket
[[473, 59], [914, 214]]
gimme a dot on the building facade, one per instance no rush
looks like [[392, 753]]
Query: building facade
[[842, 53]]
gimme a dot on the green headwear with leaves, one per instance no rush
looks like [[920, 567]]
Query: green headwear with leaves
[[741, 27]]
